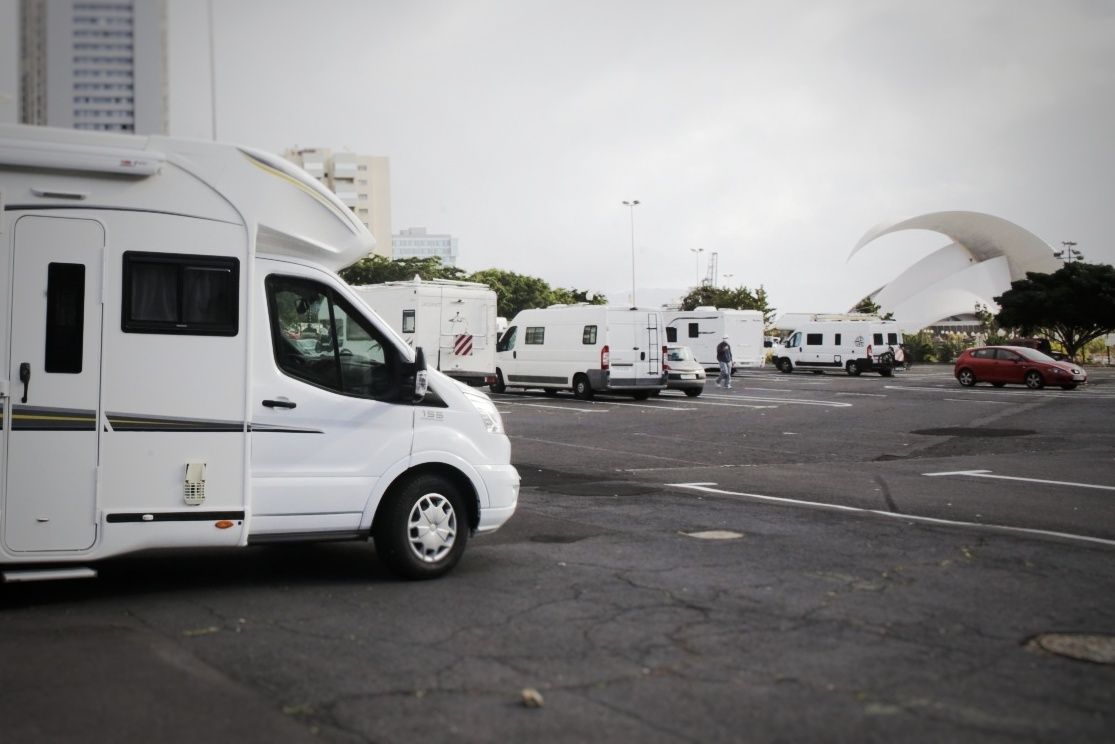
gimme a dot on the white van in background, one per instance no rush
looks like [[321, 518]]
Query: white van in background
[[854, 343], [584, 348], [159, 389], [454, 322], [703, 328]]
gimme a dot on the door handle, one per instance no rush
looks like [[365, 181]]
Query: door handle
[[25, 377], [280, 404]]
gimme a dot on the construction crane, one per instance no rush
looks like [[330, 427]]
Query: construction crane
[[710, 277]]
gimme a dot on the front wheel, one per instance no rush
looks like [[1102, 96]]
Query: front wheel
[[785, 366], [1034, 380], [966, 377], [498, 386], [421, 532]]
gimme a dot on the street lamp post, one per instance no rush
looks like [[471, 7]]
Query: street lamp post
[[726, 278], [631, 205], [697, 252], [1069, 252]]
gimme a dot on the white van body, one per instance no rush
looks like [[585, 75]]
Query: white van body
[[703, 328], [584, 348], [453, 321], [157, 393], [853, 343]]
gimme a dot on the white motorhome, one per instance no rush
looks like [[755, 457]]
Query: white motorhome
[[453, 321], [159, 392], [584, 348], [855, 343], [703, 328]]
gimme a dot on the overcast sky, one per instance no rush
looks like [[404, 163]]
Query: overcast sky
[[775, 134]]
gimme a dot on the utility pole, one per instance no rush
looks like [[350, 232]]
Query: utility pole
[[1069, 253]]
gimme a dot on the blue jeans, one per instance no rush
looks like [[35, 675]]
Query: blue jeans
[[725, 377]]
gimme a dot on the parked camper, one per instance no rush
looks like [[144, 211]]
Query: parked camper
[[584, 348], [453, 321], [854, 343], [159, 291], [702, 329]]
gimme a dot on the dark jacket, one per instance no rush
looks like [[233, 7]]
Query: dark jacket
[[723, 352]]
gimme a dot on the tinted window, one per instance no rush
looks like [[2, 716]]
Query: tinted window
[[813, 339], [836, 340], [892, 338], [878, 338], [1007, 356], [65, 317], [535, 335], [408, 321], [507, 341], [671, 334], [172, 293], [984, 353], [319, 338], [589, 335], [694, 330]]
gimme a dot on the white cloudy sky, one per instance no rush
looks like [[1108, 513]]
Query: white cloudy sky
[[774, 133]]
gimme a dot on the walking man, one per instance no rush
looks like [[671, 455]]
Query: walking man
[[724, 357]]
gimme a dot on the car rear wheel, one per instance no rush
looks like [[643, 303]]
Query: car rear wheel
[[641, 395], [582, 390], [1034, 380], [966, 377], [694, 392], [853, 369], [785, 366], [549, 392]]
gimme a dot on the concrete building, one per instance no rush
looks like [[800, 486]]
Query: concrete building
[[941, 291], [94, 64], [415, 242], [363, 182]]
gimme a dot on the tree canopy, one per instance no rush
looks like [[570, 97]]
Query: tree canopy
[[1073, 305], [727, 298]]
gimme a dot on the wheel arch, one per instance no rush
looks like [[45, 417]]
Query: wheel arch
[[469, 484]]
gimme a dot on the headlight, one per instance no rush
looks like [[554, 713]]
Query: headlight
[[493, 422]]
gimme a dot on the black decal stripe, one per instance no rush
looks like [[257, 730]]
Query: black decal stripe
[[37, 418], [34, 418], [174, 516], [538, 378]]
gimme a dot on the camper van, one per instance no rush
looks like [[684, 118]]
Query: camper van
[[163, 386], [854, 343], [702, 329], [584, 348], [453, 321]]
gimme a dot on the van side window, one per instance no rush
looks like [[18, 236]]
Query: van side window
[[65, 317], [408, 321], [671, 334], [795, 340], [813, 339], [878, 339], [837, 341], [507, 340], [694, 330], [175, 293], [589, 335], [319, 338], [535, 335], [892, 338]]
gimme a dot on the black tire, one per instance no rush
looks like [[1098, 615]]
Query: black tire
[[640, 394], [1034, 380], [853, 369], [498, 386], [582, 389], [1069, 387], [785, 366], [886, 372], [550, 392], [997, 384], [422, 531], [693, 392], [966, 377]]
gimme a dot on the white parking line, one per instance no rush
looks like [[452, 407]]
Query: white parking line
[[707, 488], [503, 402], [866, 395], [1063, 394], [977, 400], [989, 474]]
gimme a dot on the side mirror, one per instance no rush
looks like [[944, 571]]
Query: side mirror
[[416, 380]]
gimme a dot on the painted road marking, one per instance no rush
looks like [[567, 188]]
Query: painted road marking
[[1063, 394], [594, 448], [789, 401], [709, 488], [989, 474], [502, 401], [976, 400]]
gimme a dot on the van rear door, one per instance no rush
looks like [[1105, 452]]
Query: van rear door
[[635, 345]]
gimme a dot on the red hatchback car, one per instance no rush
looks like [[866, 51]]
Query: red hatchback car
[[1016, 365]]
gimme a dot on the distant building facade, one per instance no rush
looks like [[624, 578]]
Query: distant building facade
[[415, 242], [362, 182], [94, 64]]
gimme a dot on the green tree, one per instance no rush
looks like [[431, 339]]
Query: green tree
[[726, 298], [1073, 305], [868, 306], [515, 292], [379, 269], [574, 296]]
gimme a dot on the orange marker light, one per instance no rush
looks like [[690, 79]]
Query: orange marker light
[[224, 524]]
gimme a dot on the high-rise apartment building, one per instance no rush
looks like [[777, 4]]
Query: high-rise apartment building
[[415, 242], [94, 64], [362, 182]]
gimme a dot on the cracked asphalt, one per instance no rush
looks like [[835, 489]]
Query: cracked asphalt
[[855, 597]]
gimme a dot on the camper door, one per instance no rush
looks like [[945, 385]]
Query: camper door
[[634, 344], [53, 384]]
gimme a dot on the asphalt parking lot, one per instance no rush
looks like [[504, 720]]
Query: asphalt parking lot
[[801, 558]]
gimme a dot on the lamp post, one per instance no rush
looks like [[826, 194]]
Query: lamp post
[[726, 278], [697, 252], [631, 205], [1069, 252]]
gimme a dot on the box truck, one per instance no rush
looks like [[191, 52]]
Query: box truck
[[584, 348], [159, 391], [703, 328], [453, 321]]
